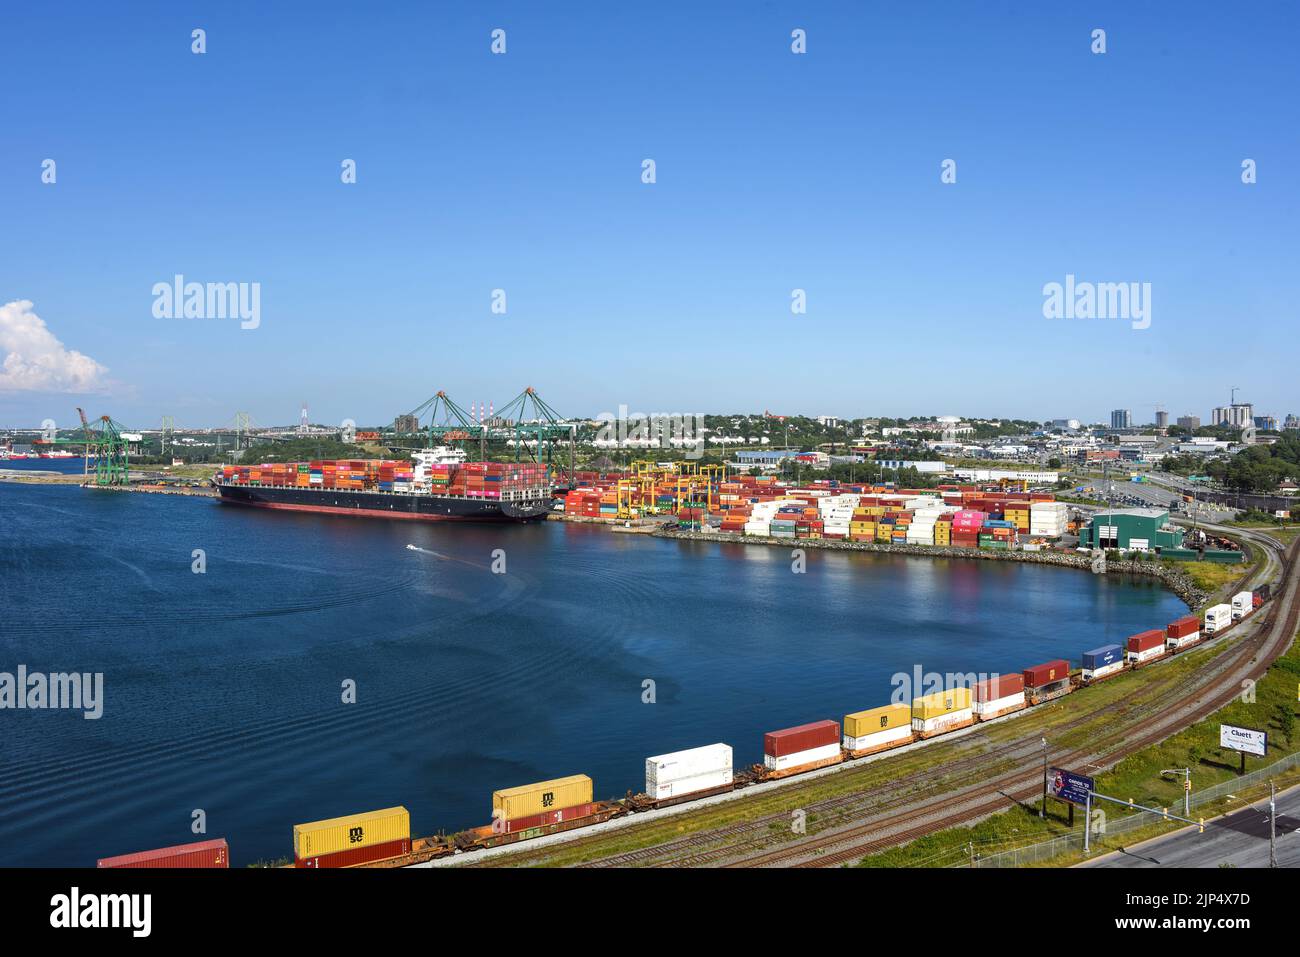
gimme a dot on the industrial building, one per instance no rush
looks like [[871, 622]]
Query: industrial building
[[1131, 529]]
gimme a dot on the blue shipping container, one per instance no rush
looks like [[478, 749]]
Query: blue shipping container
[[1101, 657]]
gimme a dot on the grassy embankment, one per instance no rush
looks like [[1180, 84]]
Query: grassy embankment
[[1138, 777]]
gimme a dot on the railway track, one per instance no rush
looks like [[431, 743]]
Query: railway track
[[849, 826], [1249, 660]]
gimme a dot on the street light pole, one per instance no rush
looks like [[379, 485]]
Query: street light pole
[[1272, 824]]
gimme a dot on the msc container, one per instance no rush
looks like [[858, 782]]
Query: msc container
[[877, 729], [200, 854], [685, 772], [1242, 603], [997, 696], [1185, 631], [346, 833], [1146, 645], [942, 712], [806, 744], [1217, 617], [530, 799], [1103, 661], [356, 856]]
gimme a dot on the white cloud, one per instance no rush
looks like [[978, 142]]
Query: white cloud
[[36, 361]]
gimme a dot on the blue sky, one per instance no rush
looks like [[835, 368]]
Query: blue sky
[[775, 171]]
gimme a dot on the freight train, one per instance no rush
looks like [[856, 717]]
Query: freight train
[[383, 838]]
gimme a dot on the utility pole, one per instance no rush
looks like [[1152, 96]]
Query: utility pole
[[1272, 824]]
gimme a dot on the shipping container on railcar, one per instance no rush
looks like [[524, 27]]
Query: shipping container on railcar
[[1102, 663], [805, 747], [999, 695], [1145, 646], [205, 854], [321, 839], [1183, 632], [1217, 618], [697, 770], [358, 856], [942, 711], [1047, 681], [530, 806], [1243, 603], [877, 729]]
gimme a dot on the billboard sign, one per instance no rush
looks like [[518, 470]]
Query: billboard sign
[[1246, 740], [1068, 786]]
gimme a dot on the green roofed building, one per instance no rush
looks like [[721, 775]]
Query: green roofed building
[[1131, 529]]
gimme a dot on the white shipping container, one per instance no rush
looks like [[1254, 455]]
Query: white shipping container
[[955, 719], [877, 738], [699, 782], [1217, 617], [1191, 639], [685, 764], [1092, 674], [1141, 656], [1242, 603], [1000, 704], [800, 757]]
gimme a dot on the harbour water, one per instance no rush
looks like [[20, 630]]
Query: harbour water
[[223, 690]]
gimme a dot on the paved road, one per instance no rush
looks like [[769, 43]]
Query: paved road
[[1239, 840]]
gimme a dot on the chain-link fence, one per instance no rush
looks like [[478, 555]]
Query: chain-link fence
[[1046, 850]]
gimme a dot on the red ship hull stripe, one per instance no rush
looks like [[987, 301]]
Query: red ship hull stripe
[[370, 512]]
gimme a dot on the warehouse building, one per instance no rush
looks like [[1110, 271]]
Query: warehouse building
[[1131, 530]]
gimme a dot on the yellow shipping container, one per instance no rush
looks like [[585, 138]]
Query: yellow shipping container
[[355, 830], [862, 723], [940, 703], [529, 799]]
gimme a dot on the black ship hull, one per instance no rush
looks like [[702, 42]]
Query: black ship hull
[[428, 508]]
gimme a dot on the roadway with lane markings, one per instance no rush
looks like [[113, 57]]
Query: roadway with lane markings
[[1239, 839]]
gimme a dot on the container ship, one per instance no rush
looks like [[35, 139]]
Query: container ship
[[437, 485]]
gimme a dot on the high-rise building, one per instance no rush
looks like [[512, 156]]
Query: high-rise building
[[1189, 422], [1291, 422], [1266, 423], [1239, 415], [1162, 419], [1121, 419], [408, 424]]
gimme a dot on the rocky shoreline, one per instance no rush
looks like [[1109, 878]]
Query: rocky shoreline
[[1177, 582]]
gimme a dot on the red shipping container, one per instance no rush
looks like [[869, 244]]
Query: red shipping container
[[516, 824], [1183, 627], [1146, 640], [1003, 686], [805, 737], [202, 854], [1048, 673], [354, 856]]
